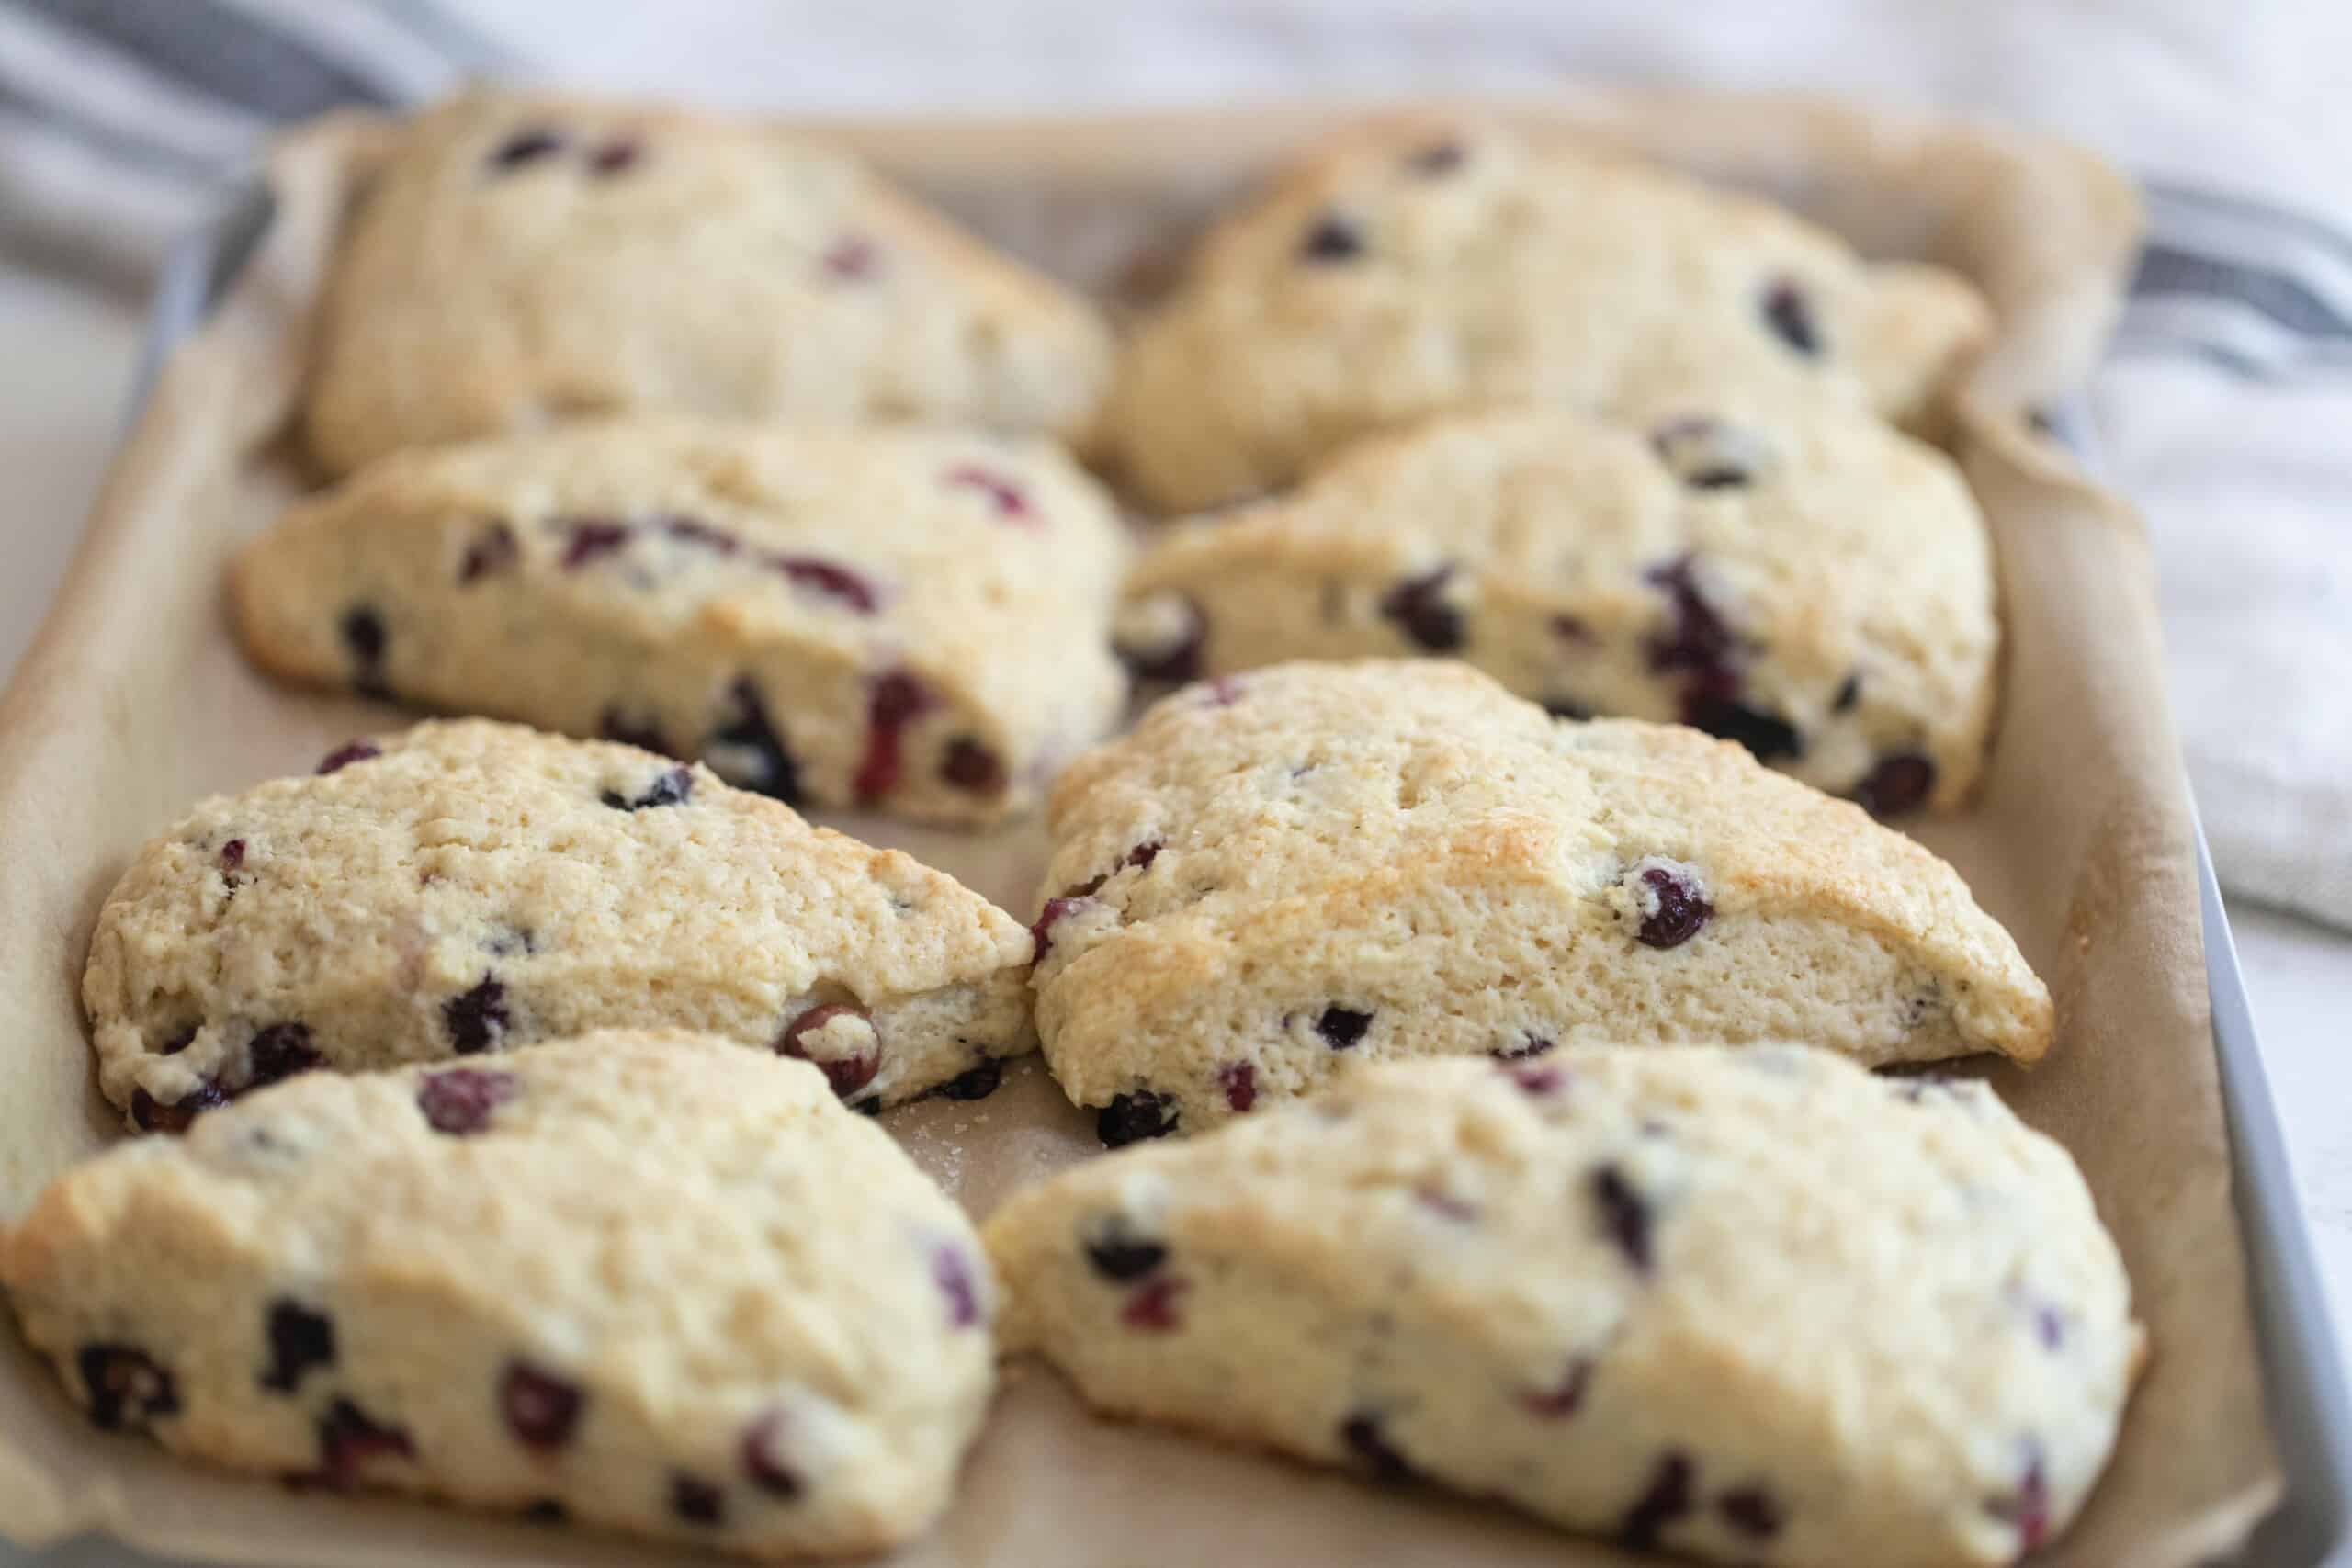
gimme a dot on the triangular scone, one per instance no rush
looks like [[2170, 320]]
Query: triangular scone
[[1410, 269], [647, 1281], [522, 258], [908, 621], [469, 886], [1752, 1304], [1805, 581], [1282, 872]]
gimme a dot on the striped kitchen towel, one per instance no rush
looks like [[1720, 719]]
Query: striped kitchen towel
[[2226, 412]]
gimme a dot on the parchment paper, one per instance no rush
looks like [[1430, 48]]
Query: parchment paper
[[134, 702]]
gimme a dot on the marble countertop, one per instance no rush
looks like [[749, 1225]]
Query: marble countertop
[[70, 355]]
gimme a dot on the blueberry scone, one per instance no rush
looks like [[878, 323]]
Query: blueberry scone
[[524, 258], [1754, 1304], [1417, 267], [468, 887], [1809, 582], [642, 1279], [908, 621], [1281, 873]]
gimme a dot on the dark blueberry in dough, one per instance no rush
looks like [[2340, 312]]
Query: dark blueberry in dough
[[348, 1440], [1767, 735], [179, 1041], [870, 1106], [1624, 1215], [746, 750], [1561, 708], [1538, 1080], [975, 1083], [1696, 638], [952, 1272], [233, 856], [298, 1340], [525, 146], [1116, 1252], [1561, 1400], [348, 753], [1418, 607], [1152, 1307], [851, 258], [1009, 498], [1143, 854], [279, 1051], [1850, 692], [548, 1511], [362, 630], [1239, 1082], [831, 582], [1132, 1117], [695, 531], [1333, 239], [1897, 784], [1752, 1511], [542, 1409], [898, 699], [477, 1019], [126, 1386], [616, 156], [2028, 1509], [1665, 1502], [494, 550], [1366, 1439], [763, 1457], [1438, 158], [459, 1102], [1528, 1045], [671, 789], [590, 538], [1789, 315], [1043, 932], [1342, 1027], [972, 767], [1681, 909], [697, 1501], [151, 1115], [846, 1073]]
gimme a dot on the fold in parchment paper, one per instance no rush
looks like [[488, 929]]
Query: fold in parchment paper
[[134, 702]]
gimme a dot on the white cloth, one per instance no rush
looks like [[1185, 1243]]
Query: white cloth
[[2226, 412]]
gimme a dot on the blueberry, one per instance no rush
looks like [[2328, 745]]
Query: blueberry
[[590, 538], [1343, 1027], [1418, 607], [952, 1272], [672, 788], [494, 550], [898, 699], [1789, 315], [1561, 1400], [459, 1102], [1239, 1082], [972, 767], [1665, 1502], [1152, 1307], [1896, 784], [298, 1340], [542, 1409], [1007, 497], [746, 748], [279, 1051], [126, 1386], [764, 1450], [1752, 1511], [846, 1073], [1675, 906], [477, 1019], [363, 634], [1117, 1252], [1624, 1215], [697, 1501], [1129, 1118], [830, 580], [349, 752], [525, 146], [1365, 1438], [975, 1083], [1332, 239], [151, 1115]]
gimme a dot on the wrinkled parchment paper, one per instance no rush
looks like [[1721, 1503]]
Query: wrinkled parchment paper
[[134, 702]]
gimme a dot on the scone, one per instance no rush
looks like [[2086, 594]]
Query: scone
[[1411, 268], [640, 1280], [1754, 1304], [1806, 581], [522, 258], [908, 621], [1282, 872], [467, 887]]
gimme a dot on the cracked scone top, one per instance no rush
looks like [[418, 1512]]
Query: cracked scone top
[[522, 258], [1280, 873], [911, 620], [1807, 582], [1752, 1304], [643, 1280], [1410, 269], [467, 887]]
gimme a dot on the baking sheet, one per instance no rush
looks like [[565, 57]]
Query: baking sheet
[[2081, 844]]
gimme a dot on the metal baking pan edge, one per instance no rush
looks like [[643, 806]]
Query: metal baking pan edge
[[2303, 1368]]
